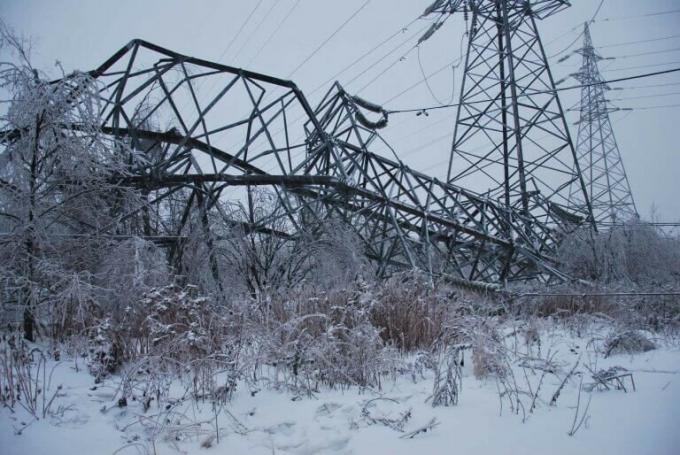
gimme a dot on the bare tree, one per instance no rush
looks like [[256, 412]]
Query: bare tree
[[54, 177]]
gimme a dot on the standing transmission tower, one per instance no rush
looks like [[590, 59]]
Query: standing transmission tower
[[511, 139], [598, 152]]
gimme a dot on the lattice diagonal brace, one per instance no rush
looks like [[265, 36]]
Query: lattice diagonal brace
[[596, 146]]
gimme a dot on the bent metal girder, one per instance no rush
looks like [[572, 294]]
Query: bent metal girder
[[200, 133]]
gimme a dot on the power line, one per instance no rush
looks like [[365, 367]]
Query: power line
[[592, 19], [365, 54], [639, 16], [626, 98], [621, 57], [330, 37], [385, 70], [636, 87], [384, 57], [640, 54], [238, 32], [562, 35], [400, 59], [629, 43], [274, 32], [647, 108], [255, 30], [440, 138], [401, 30], [637, 67], [559, 89], [414, 85], [568, 47], [427, 83], [597, 11]]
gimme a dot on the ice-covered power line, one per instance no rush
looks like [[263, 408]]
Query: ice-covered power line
[[637, 67], [662, 106], [631, 43], [641, 54], [328, 39], [641, 87], [395, 49], [454, 67], [422, 80], [273, 33], [597, 11], [256, 29], [558, 89], [639, 16], [363, 56], [240, 29], [439, 164], [656, 95]]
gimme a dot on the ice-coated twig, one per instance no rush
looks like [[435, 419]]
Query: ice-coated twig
[[424, 429], [556, 395]]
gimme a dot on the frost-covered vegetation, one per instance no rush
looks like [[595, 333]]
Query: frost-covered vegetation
[[172, 341]]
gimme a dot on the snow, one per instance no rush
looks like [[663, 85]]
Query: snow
[[87, 420]]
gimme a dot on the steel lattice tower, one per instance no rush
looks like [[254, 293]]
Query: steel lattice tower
[[597, 150], [511, 139]]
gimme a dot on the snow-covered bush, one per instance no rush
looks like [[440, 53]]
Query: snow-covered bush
[[634, 253], [447, 376], [408, 311], [488, 351], [24, 377], [317, 338], [127, 270], [627, 342], [172, 333]]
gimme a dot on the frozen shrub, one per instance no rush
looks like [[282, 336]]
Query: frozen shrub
[[105, 354], [128, 270], [408, 311], [488, 352], [447, 377], [25, 379], [173, 331], [74, 308], [628, 342], [633, 253], [178, 325], [313, 338]]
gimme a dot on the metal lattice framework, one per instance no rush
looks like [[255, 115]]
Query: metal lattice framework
[[199, 133], [511, 138], [418, 221], [598, 152]]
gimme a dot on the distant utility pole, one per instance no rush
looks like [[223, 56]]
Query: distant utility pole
[[511, 138], [596, 147]]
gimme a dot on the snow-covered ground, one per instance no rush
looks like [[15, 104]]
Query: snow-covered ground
[[87, 420]]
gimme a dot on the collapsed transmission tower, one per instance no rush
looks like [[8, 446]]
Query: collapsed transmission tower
[[196, 154], [511, 139], [598, 152]]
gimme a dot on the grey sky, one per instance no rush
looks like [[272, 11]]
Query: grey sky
[[82, 34]]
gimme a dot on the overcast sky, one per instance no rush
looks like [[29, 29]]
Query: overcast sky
[[81, 34]]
